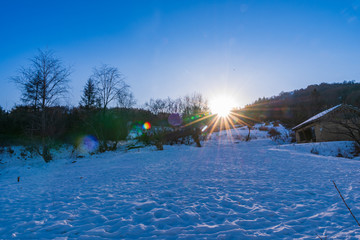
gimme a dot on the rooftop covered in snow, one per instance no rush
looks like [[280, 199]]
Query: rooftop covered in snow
[[320, 115]]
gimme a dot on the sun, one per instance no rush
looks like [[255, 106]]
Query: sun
[[221, 106]]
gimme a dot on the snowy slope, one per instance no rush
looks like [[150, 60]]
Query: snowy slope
[[334, 149], [228, 189]]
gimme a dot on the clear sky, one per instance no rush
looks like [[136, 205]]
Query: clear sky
[[248, 49]]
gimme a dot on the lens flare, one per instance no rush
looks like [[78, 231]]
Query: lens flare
[[204, 128], [146, 126], [222, 116], [89, 143], [175, 119]]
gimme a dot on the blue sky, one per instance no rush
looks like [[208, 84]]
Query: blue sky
[[247, 49]]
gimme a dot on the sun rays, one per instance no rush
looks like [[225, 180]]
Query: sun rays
[[222, 105], [222, 116]]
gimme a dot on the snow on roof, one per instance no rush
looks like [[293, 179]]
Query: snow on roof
[[317, 116]]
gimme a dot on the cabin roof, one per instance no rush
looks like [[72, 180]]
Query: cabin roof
[[317, 116]]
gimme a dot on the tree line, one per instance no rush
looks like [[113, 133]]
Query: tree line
[[292, 108], [44, 119]]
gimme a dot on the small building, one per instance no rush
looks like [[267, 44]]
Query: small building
[[339, 123]]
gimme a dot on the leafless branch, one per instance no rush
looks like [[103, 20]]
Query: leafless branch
[[346, 203], [109, 81], [42, 84]]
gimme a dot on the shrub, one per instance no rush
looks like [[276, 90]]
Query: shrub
[[10, 150], [281, 138], [314, 151], [239, 137], [274, 134], [159, 137], [339, 154], [292, 136], [184, 136], [109, 128], [46, 155], [145, 138], [31, 149], [356, 149], [153, 137], [23, 153], [159, 146], [263, 128]]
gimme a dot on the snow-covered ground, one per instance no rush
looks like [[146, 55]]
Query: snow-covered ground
[[228, 189], [336, 149]]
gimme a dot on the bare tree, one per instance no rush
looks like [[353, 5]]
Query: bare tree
[[174, 105], [157, 106], [188, 105], [126, 98], [344, 123], [43, 83], [194, 103], [109, 83]]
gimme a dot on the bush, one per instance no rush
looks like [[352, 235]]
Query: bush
[[160, 137], [108, 127], [263, 128], [239, 137], [10, 150], [292, 136], [356, 149], [276, 123], [281, 138], [274, 134], [153, 137], [314, 151]]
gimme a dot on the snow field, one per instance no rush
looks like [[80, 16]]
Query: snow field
[[228, 189], [336, 149]]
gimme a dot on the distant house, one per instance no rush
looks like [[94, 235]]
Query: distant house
[[339, 123]]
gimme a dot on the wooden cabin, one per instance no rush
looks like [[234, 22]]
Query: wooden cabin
[[339, 123]]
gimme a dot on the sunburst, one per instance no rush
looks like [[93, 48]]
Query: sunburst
[[222, 116], [222, 106]]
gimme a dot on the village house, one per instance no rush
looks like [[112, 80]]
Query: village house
[[339, 123]]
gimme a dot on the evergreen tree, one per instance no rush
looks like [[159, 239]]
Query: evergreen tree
[[89, 98], [316, 105]]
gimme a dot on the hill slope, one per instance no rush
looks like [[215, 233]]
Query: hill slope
[[294, 107]]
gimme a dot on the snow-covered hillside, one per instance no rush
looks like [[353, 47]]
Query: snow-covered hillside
[[228, 189]]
